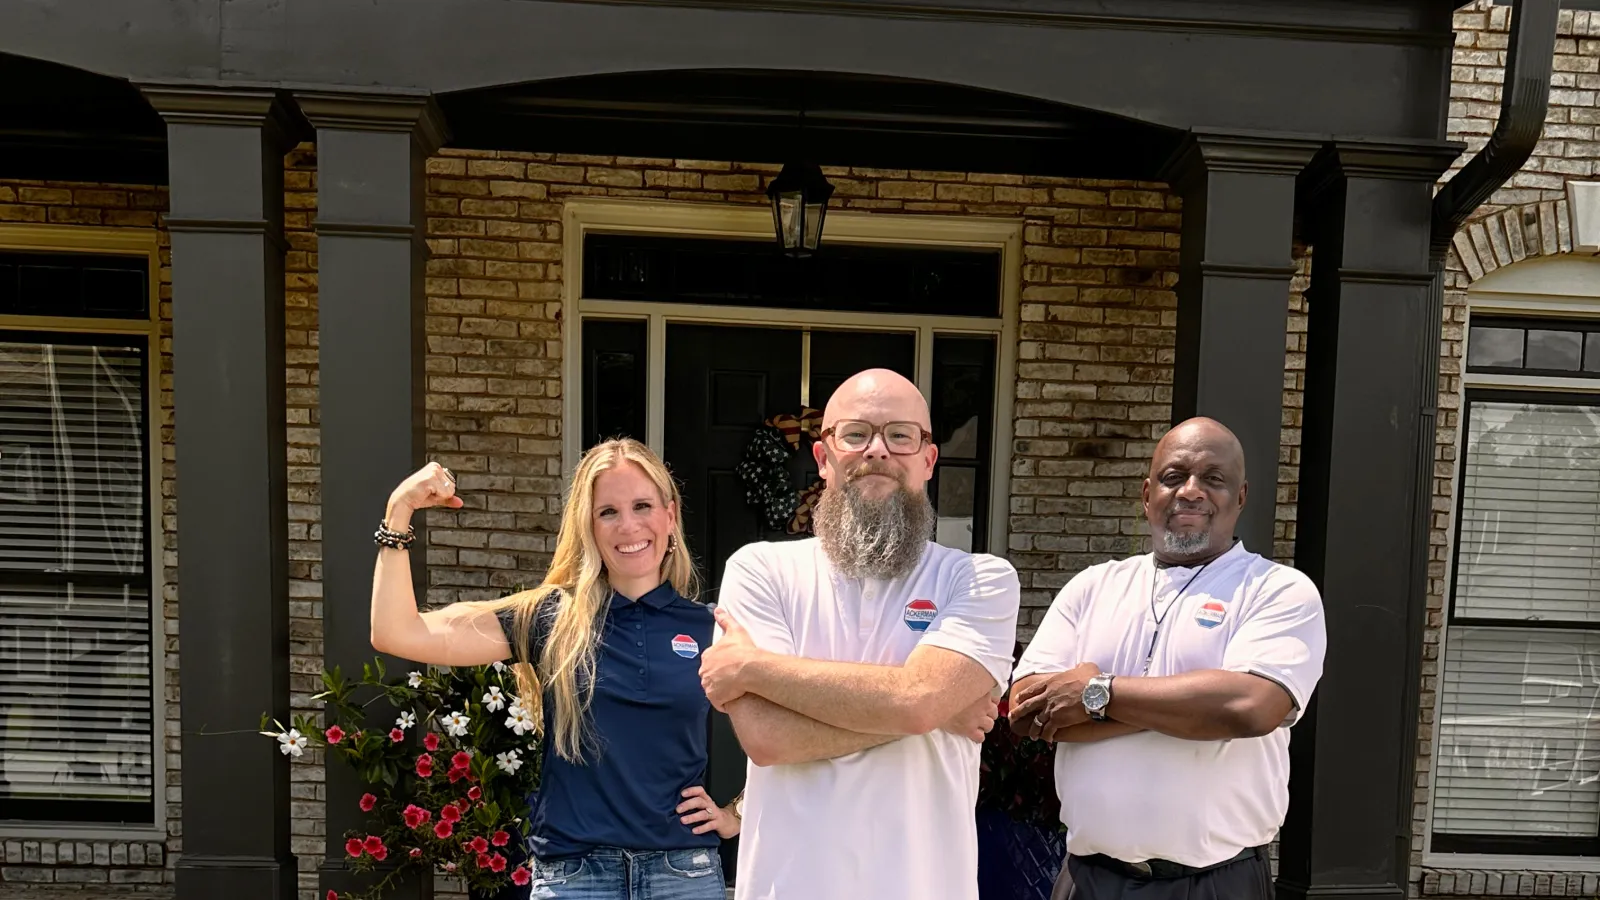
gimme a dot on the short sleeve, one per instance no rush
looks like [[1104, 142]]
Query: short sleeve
[[1055, 646], [749, 593], [980, 618], [543, 620], [1282, 637]]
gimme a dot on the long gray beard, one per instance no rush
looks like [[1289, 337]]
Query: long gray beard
[[1181, 545], [874, 538]]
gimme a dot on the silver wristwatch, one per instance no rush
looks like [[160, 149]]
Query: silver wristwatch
[[1097, 696]]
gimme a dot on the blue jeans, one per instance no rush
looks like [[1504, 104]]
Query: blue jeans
[[608, 873]]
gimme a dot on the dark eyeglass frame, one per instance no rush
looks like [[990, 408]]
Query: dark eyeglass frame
[[830, 433]]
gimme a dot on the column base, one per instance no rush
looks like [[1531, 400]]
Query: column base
[[207, 877], [1339, 891]]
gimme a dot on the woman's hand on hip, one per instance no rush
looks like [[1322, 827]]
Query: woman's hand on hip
[[699, 810], [431, 485]]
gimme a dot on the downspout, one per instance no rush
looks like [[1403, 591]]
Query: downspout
[[1525, 97]]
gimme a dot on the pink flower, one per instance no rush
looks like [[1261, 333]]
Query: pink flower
[[520, 876], [443, 829], [478, 845], [456, 775], [416, 852], [380, 854], [475, 794], [333, 895], [396, 735], [450, 814], [373, 844], [414, 816], [424, 766], [500, 839], [353, 846], [334, 734], [449, 867], [368, 802], [484, 860], [431, 741], [497, 863], [461, 760]]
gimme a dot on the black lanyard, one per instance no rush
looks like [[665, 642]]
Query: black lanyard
[[1154, 577]]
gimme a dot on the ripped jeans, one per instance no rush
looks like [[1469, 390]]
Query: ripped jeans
[[608, 873]]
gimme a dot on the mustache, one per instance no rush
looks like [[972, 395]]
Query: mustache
[[1202, 508], [875, 467]]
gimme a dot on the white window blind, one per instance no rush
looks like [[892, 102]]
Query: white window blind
[[1519, 738], [76, 730], [1530, 514]]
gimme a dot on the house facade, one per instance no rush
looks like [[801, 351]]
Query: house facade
[[464, 267]]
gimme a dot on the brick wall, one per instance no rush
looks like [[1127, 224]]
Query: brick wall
[[36, 866], [1516, 223]]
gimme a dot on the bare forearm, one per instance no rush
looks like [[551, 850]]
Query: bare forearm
[[861, 698], [459, 635], [772, 735], [1208, 705], [1090, 732]]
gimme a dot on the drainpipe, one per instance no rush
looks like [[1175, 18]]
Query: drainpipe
[[1524, 100]]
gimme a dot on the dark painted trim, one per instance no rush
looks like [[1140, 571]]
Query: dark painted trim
[[232, 477], [364, 229], [415, 113], [1241, 270], [1037, 15]]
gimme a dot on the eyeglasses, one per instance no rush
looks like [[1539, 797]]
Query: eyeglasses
[[854, 436]]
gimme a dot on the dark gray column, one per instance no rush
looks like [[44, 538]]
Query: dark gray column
[[370, 257], [1233, 299], [1373, 351], [226, 153]]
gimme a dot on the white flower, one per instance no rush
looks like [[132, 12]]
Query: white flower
[[406, 720], [508, 761], [293, 743], [455, 723], [414, 679], [499, 666], [520, 722], [494, 701]]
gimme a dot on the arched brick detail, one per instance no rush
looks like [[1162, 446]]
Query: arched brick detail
[[1507, 236]]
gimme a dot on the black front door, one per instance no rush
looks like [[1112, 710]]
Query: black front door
[[722, 382]]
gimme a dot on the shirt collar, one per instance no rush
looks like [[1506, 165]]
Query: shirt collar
[[659, 598]]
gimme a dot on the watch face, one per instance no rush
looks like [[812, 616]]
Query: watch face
[[1096, 696]]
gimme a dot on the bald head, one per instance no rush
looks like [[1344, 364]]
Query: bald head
[[877, 395], [1195, 492], [1201, 434]]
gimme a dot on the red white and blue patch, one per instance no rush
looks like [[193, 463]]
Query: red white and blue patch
[[1211, 614], [685, 646], [920, 614]]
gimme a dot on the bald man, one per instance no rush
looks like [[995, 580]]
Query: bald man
[[1170, 681], [860, 669]]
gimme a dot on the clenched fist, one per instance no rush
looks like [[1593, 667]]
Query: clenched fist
[[431, 485]]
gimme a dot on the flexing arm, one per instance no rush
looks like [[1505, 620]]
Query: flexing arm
[[463, 634]]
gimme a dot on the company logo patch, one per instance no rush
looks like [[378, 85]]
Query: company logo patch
[[919, 614], [1211, 614], [685, 646]]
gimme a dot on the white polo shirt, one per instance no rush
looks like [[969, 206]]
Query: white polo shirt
[[894, 822], [1150, 796]]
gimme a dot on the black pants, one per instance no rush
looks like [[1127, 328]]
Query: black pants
[[1246, 879]]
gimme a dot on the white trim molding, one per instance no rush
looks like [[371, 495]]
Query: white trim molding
[[587, 215]]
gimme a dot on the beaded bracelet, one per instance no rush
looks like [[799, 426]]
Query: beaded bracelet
[[385, 537]]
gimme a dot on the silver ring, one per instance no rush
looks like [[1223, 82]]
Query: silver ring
[[449, 475], [1039, 719]]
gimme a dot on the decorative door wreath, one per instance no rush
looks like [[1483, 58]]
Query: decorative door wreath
[[768, 487]]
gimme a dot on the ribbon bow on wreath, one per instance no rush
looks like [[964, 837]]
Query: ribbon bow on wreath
[[765, 471]]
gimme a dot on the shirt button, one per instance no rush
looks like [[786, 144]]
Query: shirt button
[[641, 643], [641, 671]]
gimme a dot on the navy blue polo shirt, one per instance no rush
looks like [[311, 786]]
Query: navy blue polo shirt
[[648, 719]]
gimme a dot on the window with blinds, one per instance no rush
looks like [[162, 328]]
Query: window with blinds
[[1518, 756], [76, 702]]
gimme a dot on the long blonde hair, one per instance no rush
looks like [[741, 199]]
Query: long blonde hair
[[576, 581]]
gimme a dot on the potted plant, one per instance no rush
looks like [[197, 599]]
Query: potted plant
[[1021, 841], [454, 800]]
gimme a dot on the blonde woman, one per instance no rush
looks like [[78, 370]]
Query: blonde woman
[[614, 634]]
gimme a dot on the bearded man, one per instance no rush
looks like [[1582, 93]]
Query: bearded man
[[860, 669]]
